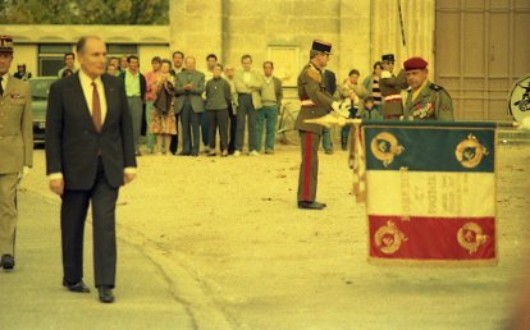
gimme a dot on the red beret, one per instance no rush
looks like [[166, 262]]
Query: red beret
[[415, 63]]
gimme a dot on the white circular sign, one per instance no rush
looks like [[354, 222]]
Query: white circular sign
[[519, 101]]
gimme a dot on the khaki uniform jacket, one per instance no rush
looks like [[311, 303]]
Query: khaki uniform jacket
[[311, 87], [16, 127], [433, 103], [393, 86], [253, 87]]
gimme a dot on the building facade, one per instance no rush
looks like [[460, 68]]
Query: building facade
[[471, 45]]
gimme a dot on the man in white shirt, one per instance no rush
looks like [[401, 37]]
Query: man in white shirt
[[89, 156]]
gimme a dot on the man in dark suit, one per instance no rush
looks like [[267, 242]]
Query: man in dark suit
[[89, 155], [189, 85]]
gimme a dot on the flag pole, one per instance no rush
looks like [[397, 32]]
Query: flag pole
[[403, 40]]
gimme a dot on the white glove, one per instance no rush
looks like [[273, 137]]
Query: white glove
[[386, 74], [22, 174], [341, 109], [335, 106]]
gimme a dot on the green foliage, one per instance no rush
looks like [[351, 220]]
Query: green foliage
[[111, 12]]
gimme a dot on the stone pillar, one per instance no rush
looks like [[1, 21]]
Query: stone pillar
[[354, 38], [197, 28], [418, 21]]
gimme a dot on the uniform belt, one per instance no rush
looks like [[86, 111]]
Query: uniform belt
[[393, 98], [307, 103]]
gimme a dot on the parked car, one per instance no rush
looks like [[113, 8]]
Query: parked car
[[40, 87]]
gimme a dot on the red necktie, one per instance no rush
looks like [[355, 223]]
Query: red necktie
[[96, 108]]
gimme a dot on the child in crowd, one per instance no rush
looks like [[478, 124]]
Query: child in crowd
[[369, 111], [217, 100]]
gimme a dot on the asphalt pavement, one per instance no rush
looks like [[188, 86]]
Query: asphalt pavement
[[32, 297]]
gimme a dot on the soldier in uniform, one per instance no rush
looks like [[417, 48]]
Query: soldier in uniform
[[425, 100], [316, 102], [16, 148], [391, 86]]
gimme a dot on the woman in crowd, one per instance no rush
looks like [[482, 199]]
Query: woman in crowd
[[371, 84], [163, 123]]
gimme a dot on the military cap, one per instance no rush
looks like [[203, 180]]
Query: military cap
[[388, 58], [415, 63], [6, 44], [321, 46]]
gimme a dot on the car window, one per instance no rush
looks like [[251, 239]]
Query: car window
[[40, 88]]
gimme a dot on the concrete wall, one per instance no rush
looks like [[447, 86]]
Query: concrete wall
[[360, 31], [25, 54], [147, 52]]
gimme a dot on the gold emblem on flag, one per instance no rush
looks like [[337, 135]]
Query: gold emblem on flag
[[470, 237], [385, 147], [470, 152], [388, 238]]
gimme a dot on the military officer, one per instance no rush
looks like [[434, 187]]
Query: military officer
[[16, 148], [316, 102], [425, 100], [391, 86]]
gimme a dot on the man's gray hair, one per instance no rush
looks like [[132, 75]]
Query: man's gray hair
[[81, 43]]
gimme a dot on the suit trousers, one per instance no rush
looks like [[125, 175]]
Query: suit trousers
[[74, 210], [8, 212], [232, 131], [246, 110], [205, 131], [173, 146], [327, 143], [308, 179], [136, 108], [218, 118], [150, 137], [190, 129]]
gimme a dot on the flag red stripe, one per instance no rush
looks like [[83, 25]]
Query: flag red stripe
[[434, 238]]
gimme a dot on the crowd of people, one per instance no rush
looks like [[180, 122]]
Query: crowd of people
[[226, 105]]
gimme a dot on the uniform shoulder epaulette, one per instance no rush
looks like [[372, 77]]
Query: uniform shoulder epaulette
[[314, 74], [435, 87]]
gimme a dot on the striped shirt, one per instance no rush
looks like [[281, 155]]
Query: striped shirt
[[376, 91]]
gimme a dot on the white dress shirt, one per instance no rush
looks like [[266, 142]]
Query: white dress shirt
[[86, 85]]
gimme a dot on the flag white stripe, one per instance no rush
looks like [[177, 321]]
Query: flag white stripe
[[431, 194]]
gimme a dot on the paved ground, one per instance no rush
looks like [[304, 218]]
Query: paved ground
[[219, 244], [31, 297]]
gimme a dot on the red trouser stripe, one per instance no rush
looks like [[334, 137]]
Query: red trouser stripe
[[306, 194]]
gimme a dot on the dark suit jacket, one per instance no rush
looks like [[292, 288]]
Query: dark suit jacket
[[196, 78], [330, 81], [72, 142], [143, 84]]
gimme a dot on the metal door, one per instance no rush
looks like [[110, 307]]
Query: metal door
[[481, 49]]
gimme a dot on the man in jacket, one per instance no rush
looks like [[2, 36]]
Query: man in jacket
[[89, 156], [189, 85], [135, 89], [16, 148], [315, 102]]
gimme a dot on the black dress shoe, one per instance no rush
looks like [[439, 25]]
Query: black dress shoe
[[105, 294], [79, 287], [7, 262], [311, 205]]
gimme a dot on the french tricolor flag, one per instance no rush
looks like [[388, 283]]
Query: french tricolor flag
[[430, 190]]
